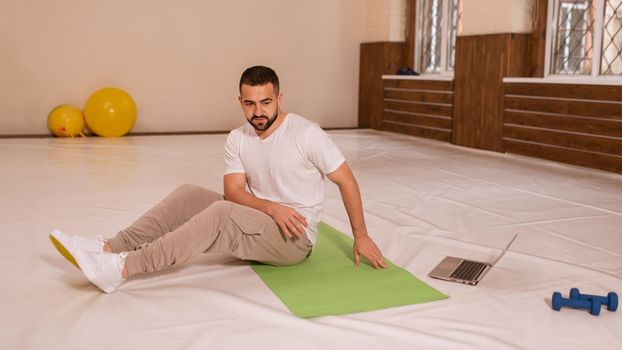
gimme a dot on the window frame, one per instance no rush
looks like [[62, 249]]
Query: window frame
[[599, 7]]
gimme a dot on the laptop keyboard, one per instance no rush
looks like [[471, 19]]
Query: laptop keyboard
[[468, 270]]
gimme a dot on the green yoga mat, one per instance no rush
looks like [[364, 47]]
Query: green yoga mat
[[328, 283]]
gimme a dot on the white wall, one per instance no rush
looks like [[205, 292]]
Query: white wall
[[180, 60], [481, 17], [385, 20]]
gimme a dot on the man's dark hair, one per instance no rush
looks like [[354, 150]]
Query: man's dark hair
[[260, 75]]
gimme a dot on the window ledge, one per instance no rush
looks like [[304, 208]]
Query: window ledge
[[567, 80], [420, 77]]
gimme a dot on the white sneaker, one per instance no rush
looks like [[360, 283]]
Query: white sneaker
[[102, 269], [67, 244]]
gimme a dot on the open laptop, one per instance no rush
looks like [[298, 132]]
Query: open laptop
[[463, 270]]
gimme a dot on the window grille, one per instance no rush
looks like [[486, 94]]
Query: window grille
[[574, 37], [432, 16], [453, 29], [586, 38], [611, 55], [437, 35]]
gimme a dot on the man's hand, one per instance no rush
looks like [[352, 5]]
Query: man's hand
[[366, 247], [290, 221]]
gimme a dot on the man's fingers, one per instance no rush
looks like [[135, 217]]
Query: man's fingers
[[376, 259], [373, 262], [294, 229], [381, 263], [299, 228], [301, 219], [285, 230], [368, 249], [380, 260]]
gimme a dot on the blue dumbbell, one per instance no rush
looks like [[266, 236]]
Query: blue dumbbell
[[558, 302], [611, 300]]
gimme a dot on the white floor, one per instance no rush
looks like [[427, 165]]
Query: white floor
[[423, 200]]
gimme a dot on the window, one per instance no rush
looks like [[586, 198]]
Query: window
[[611, 57], [436, 36], [585, 37]]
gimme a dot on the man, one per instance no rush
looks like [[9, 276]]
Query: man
[[281, 157]]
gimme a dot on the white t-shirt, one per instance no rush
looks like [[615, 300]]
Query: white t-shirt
[[287, 167]]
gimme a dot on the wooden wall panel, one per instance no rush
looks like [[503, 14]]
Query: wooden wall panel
[[376, 59], [566, 91], [424, 96], [420, 84], [571, 123], [517, 59], [425, 108], [587, 159], [482, 61], [588, 108], [597, 126], [577, 124], [419, 107], [409, 47], [414, 130], [576, 141], [537, 40], [421, 120]]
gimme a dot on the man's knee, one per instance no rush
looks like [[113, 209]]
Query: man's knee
[[197, 194], [290, 256], [188, 188], [294, 260], [221, 210], [221, 206]]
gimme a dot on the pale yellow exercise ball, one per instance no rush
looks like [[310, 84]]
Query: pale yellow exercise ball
[[66, 121], [110, 112]]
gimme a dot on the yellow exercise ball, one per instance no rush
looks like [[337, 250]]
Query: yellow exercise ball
[[110, 112], [66, 120]]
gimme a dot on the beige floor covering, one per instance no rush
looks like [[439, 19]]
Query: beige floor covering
[[423, 200]]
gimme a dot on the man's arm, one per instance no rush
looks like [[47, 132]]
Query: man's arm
[[290, 221], [351, 196]]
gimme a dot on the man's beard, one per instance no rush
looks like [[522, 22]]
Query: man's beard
[[265, 126]]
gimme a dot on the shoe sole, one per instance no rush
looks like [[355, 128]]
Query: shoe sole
[[64, 252]]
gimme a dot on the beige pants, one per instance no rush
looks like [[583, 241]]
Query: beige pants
[[193, 220]]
